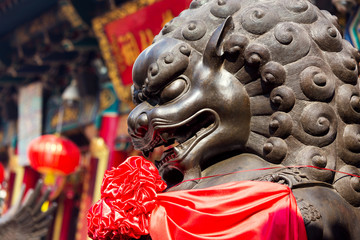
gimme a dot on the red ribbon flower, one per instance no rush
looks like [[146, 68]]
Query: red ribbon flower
[[128, 195]]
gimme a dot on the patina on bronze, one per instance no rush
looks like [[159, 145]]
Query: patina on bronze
[[244, 84]]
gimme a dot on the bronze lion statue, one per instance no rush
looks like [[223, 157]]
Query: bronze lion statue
[[242, 84]]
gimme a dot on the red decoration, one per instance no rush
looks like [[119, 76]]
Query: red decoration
[[130, 35], [128, 196], [131, 206], [53, 154], [2, 173], [237, 210], [126, 31]]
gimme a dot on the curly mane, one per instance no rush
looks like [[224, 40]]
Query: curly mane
[[300, 75]]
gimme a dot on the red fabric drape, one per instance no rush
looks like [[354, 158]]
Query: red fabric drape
[[237, 210], [132, 204]]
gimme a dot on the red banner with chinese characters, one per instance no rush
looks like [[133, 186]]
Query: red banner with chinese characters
[[127, 31]]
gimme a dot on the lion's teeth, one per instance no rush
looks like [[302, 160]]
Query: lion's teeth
[[151, 146], [202, 130], [178, 148]]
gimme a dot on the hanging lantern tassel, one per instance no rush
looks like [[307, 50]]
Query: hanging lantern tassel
[[50, 179]]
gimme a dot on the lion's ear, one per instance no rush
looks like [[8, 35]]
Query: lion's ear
[[213, 55]]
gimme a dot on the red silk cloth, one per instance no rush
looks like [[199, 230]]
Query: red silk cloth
[[128, 195], [236, 210], [132, 205]]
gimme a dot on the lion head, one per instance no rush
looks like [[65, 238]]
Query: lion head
[[270, 78]]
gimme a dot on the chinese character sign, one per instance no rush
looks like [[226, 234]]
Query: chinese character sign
[[124, 33]]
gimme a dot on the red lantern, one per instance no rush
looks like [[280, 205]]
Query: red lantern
[[52, 154]]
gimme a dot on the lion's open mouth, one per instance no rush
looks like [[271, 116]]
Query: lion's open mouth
[[182, 136]]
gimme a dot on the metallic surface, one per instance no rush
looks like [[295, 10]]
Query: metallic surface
[[241, 84], [26, 220]]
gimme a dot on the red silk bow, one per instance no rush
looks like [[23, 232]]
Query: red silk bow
[[128, 195], [132, 205]]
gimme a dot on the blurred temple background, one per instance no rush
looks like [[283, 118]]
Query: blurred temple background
[[65, 76]]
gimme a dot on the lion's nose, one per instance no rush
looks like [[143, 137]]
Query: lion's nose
[[139, 124]]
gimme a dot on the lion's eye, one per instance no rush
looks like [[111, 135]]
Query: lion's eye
[[172, 90]]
